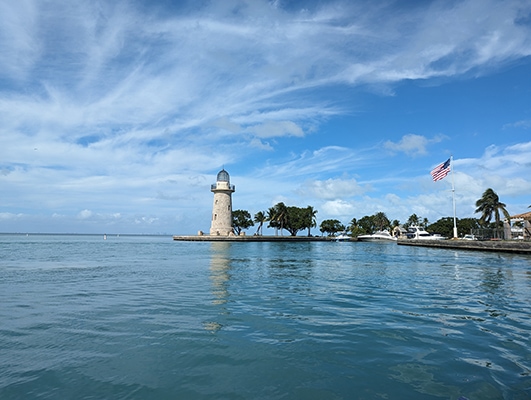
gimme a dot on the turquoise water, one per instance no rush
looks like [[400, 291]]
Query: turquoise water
[[149, 318]]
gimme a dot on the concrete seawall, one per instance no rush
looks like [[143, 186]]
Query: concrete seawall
[[508, 246], [211, 238]]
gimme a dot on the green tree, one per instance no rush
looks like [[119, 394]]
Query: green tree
[[331, 226], [296, 220], [488, 205], [367, 225], [413, 220], [353, 229], [292, 218], [445, 226], [260, 217], [277, 216], [270, 217], [381, 221], [312, 219], [352, 226], [466, 226], [241, 219]]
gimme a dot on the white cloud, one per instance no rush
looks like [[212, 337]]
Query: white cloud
[[18, 38], [270, 129], [85, 214], [257, 143], [331, 189], [9, 216], [525, 124], [339, 209], [412, 145]]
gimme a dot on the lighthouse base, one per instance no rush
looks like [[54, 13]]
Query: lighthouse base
[[221, 232]]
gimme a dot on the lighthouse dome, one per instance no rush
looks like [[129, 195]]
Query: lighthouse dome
[[223, 176]]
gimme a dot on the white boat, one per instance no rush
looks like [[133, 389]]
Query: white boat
[[379, 236], [469, 237], [416, 232], [343, 237]]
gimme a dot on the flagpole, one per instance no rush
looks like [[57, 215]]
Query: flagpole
[[453, 194]]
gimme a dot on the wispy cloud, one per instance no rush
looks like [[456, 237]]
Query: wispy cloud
[[411, 144], [526, 124], [127, 100]]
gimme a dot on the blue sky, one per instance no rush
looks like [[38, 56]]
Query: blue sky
[[117, 116]]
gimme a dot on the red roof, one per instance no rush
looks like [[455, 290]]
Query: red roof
[[526, 215]]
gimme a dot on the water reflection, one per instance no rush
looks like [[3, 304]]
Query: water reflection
[[291, 261], [219, 277], [493, 281], [219, 271]]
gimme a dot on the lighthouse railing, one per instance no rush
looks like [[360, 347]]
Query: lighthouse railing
[[215, 186]]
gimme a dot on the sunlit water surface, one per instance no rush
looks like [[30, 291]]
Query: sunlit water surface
[[150, 318]]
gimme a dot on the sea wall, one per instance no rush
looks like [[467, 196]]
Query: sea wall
[[511, 246], [245, 238]]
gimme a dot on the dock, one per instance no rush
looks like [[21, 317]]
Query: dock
[[507, 246]]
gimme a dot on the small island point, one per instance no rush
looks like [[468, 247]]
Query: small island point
[[221, 229]]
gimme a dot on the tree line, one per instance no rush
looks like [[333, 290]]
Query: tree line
[[295, 219], [280, 217]]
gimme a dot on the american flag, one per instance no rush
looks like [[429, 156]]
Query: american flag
[[440, 171]]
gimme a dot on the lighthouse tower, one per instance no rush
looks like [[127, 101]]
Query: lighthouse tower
[[222, 208]]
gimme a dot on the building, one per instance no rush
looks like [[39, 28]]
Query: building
[[222, 207], [519, 226]]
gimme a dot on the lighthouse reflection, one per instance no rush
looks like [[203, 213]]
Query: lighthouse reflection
[[219, 271], [219, 276]]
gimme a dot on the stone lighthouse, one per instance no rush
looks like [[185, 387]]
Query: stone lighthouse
[[222, 208]]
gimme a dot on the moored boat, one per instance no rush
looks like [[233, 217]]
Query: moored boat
[[342, 237], [379, 236], [416, 232]]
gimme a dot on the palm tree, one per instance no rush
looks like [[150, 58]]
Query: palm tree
[[413, 220], [490, 204], [312, 220], [277, 216], [381, 220], [281, 216], [271, 215], [260, 218]]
